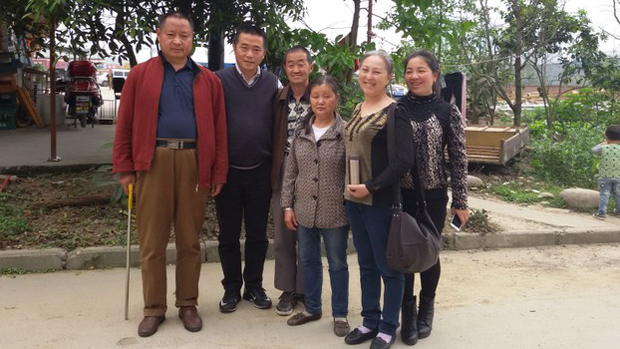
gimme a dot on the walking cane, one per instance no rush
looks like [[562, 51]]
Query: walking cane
[[129, 204]]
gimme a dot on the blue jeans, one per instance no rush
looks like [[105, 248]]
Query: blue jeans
[[370, 226], [310, 254], [607, 187]]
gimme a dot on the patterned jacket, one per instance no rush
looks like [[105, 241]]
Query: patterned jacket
[[444, 128], [314, 178]]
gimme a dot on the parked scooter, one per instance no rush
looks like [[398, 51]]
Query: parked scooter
[[83, 95]]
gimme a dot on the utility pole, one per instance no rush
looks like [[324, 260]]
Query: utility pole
[[369, 21], [54, 157]]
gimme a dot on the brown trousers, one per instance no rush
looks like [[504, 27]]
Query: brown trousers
[[288, 275], [165, 194]]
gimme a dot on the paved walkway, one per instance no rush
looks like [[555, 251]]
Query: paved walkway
[[75, 146], [512, 217], [560, 297]]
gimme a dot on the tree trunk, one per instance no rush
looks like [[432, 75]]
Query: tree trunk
[[53, 155], [518, 51], [216, 50], [353, 35], [119, 33]]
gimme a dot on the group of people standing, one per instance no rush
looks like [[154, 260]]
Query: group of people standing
[[184, 133]]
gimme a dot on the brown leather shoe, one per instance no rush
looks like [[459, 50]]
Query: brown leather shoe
[[191, 319], [148, 326], [341, 328], [301, 318]]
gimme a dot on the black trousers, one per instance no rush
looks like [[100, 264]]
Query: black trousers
[[245, 196], [436, 202]]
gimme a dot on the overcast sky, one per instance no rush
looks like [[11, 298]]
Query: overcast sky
[[333, 17]]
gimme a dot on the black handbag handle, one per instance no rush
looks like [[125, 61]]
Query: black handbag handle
[[391, 145]]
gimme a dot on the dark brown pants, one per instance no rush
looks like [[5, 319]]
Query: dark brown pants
[[288, 275], [167, 194]]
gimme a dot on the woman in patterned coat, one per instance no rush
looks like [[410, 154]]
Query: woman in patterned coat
[[436, 125], [313, 203]]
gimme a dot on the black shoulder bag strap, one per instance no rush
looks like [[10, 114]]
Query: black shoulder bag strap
[[391, 145]]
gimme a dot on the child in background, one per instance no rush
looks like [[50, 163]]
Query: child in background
[[609, 170]]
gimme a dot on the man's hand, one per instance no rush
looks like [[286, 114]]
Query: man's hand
[[358, 190], [215, 188], [290, 219], [125, 179]]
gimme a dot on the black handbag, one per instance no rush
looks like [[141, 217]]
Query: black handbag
[[413, 242]]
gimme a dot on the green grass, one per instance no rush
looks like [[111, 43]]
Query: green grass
[[528, 192], [12, 221], [20, 271]]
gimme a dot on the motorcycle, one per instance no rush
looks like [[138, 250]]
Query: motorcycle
[[83, 95]]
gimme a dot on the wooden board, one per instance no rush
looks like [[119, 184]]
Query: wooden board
[[26, 101], [494, 145]]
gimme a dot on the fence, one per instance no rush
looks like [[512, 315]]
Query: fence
[[107, 112]]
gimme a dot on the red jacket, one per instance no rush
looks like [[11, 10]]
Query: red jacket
[[136, 127]]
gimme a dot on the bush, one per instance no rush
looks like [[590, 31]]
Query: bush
[[566, 159], [562, 154]]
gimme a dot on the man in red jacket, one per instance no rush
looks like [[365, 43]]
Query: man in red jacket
[[171, 142]]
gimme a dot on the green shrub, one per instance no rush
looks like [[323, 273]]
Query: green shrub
[[12, 221], [566, 159], [562, 154]]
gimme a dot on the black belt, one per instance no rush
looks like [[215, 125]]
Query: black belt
[[175, 144]]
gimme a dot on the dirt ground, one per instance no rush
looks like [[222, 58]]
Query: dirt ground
[[74, 210]]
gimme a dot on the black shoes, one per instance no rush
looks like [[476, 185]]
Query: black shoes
[[409, 326], [258, 297], [356, 336], [228, 304], [379, 343], [287, 302], [426, 312]]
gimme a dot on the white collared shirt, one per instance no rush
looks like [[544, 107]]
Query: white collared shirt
[[253, 78]]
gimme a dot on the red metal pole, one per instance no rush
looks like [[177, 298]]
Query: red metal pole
[[369, 21], [54, 156]]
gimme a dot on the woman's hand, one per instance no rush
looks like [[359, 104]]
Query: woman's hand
[[358, 190], [290, 219], [462, 214]]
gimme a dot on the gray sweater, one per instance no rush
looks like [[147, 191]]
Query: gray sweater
[[314, 178]]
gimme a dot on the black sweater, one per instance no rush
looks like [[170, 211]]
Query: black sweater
[[249, 117]]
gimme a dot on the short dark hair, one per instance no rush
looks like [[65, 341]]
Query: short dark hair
[[319, 81], [248, 28], [299, 49], [432, 62], [613, 132], [175, 14]]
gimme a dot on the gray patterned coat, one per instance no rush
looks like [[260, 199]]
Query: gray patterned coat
[[314, 178]]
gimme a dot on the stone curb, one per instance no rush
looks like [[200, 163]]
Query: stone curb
[[114, 256]]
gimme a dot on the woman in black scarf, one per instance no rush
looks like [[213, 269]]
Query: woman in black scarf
[[436, 125]]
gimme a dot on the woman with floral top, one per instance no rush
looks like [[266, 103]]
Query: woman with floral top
[[369, 198], [436, 125]]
